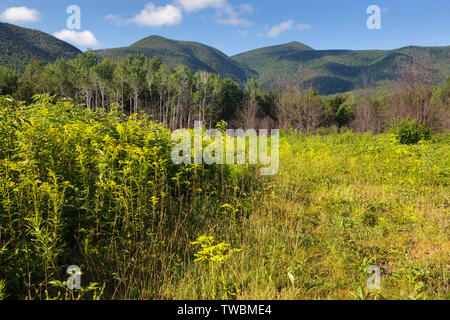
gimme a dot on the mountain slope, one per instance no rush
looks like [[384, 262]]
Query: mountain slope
[[19, 46], [334, 71], [195, 55]]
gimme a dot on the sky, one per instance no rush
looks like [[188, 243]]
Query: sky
[[236, 26]]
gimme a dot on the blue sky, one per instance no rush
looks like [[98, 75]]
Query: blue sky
[[235, 26]]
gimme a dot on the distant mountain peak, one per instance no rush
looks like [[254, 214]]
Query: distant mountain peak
[[298, 45], [157, 39], [151, 38], [331, 71], [195, 55], [278, 50], [336, 71]]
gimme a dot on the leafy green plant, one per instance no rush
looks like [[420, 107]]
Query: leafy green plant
[[2, 289], [79, 185], [344, 115], [93, 291], [363, 294], [217, 256], [411, 131]]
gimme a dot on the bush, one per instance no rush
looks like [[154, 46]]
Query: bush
[[411, 131], [344, 115], [97, 190]]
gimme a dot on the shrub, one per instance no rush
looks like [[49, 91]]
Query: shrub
[[344, 115], [411, 131], [79, 187]]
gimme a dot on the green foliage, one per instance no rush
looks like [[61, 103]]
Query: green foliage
[[175, 97], [217, 256], [344, 115], [215, 253], [340, 203], [332, 71], [335, 71], [2, 289], [98, 190], [92, 292], [9, 81], [229, 97], [411, 131], [196, 56]]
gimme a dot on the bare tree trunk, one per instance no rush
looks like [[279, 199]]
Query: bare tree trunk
[[246, 117]]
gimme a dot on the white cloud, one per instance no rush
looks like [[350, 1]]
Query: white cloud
[[285, 26], [227, 13], [278, 29], [83, 38], [20, 15], [301, 27], [234, 20], [197, 5], [111, 17], [115, 19], [172, 15], [234, 17], [153, 16]]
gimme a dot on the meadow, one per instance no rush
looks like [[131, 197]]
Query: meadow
[[98, 189]]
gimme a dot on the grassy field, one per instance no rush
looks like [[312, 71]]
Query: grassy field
[[99, 191], [340, 204]]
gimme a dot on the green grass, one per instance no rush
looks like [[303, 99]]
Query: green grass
[[340, 204]]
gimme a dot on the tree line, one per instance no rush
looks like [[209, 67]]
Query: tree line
[[178, 97]]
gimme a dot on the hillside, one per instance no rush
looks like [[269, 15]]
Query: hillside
[[336, 71], [195, 55], [19, 46], [332, 71]]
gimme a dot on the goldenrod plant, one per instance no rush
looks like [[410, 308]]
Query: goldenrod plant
[[217, 256], [98, 190]]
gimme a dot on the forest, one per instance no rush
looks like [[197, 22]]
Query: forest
[[177, 97]]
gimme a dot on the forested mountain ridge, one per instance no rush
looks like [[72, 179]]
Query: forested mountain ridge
[[331, 71], [334, 71], [174, 53], [19, 46]]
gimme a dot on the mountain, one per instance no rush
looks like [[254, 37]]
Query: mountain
[[331, 71], [195, 55], [19, 46], [334, 71]]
